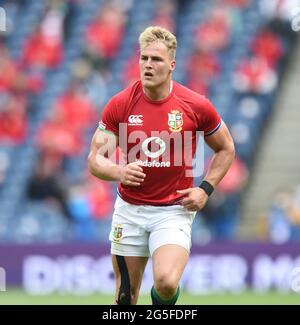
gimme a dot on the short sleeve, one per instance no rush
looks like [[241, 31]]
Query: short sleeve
[[110, 117], [209, 119]]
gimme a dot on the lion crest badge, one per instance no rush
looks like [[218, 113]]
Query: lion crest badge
[[175, 121], [117, 232]]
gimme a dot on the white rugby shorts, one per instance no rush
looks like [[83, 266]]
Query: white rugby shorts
[[138, 230]]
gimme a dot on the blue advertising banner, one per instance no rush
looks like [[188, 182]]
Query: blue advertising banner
[[216, 267]]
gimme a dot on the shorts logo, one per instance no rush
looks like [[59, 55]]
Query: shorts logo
[[135, 120], [117, 232], [175, 121]]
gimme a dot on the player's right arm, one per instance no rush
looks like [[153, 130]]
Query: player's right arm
[[103, 145]]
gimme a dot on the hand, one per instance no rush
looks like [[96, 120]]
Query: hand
[[132, 174], [195, 198]]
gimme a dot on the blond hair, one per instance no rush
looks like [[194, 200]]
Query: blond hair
[[156, 33]]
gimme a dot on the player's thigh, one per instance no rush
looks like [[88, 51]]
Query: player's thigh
[[135, 266], [168, 262]]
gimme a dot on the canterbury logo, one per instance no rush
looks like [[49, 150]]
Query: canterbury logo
[[135, 120]]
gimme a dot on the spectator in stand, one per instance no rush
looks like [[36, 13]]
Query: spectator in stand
[[268, 46], [284, 216], [211, 37], [42, 50], [80, 210], [57, 138], [8, 79], [104, 35], [89, 200], [205, 64], [221, 213], [202, 69], [131, 72], [62, 134], [52, 24], [214, 34], [47, 185], [165, 12], [94, 83], [235, 3], [13, 120], [13, 79], [254, 76], [101, 197], [197, 84], [75, 109]]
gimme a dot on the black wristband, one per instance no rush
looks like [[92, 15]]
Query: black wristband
[[206, 187]]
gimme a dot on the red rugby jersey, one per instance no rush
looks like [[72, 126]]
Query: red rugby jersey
[[162, 136]]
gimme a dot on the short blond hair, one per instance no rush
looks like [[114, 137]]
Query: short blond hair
[[156, 33]]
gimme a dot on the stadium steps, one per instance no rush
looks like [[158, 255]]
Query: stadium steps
[[277, 164]]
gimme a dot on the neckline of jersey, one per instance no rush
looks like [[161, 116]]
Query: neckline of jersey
[[161, 101]]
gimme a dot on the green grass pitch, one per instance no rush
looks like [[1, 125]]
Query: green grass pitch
[[18, 297]]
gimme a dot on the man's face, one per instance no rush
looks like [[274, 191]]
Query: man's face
[[155, 65]]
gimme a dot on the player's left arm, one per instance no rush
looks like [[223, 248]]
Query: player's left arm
[[222, 144]]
